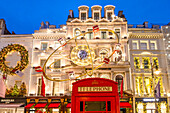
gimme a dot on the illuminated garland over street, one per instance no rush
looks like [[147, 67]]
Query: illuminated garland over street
[[20, 64]]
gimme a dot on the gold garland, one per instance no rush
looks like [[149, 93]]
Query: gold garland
[[20, 65], [136, 79], [141, 85]]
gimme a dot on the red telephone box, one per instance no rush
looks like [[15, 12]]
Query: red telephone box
[[95, 95]]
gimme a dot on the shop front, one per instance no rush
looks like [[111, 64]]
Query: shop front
[[149, 105], [95, 95], [12, 105], [48, 104]]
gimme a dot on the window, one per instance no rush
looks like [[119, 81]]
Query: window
[[90, 35], [39, 86], [143, 46], [110, 33], [153, 45], [136, 63], [119, 79], [155, 62], [134, 45], [146, 62], [77, 32], [96, 16], [117, 31], [83, 16], [99, 106], [42, 61], [103, 35], [44, 45], [109, 16], [57, 63], [55, 87]]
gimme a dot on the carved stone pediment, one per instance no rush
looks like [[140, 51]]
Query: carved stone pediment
[[103, 20], [76, 21]]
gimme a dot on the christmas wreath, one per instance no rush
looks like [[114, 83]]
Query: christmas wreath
[[20, 64]]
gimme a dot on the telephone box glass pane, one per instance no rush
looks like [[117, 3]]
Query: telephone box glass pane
[[108, 106], [99, 106], [81, 105]]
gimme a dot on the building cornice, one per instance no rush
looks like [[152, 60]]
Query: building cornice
[[17, 36], [145, 35], [49, 35]]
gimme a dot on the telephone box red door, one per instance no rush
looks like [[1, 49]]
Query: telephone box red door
[[95, 95]]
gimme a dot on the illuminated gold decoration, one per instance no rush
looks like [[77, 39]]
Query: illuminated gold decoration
[[21, 65], [28, 100], [36, 100], [81, 55]]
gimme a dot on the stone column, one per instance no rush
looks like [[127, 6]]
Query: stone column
[[127, 80]]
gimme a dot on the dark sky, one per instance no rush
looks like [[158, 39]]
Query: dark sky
[[25, 16]]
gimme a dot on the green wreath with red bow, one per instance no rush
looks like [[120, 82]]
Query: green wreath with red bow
[[21, 65]]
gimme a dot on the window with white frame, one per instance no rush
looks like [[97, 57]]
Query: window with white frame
[[143, 45], [57, 63], [55, 87], [117, 31], [83, 16], [135, 44], [96, 16], [90, 35], [44, 45], [42, 61], [103, 35], [77, 32], [109, 15], [39, 86], [119, 79], [153, 45]]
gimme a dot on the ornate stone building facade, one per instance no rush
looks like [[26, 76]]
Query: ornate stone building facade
[[138, 48], [147, 53]]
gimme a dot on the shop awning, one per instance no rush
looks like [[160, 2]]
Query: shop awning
[[68, 105], [29, 105], [54, 105], [125, 105], [11, 105], [40, 105]]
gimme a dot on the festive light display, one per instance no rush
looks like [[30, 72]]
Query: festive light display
[[21, 65], [82, 55]]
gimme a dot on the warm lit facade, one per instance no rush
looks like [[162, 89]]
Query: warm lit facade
[[147, 51], [166, 32], [138, 45]]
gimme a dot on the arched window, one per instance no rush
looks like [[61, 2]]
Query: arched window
[[119, 79], [77, 32]]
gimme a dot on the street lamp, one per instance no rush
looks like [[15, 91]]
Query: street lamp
[[153, 77]]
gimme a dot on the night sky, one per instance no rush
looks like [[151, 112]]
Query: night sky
[[25, 16]]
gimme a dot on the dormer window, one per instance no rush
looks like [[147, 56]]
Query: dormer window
[[109, 16], [96, 16], [83, 16]]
